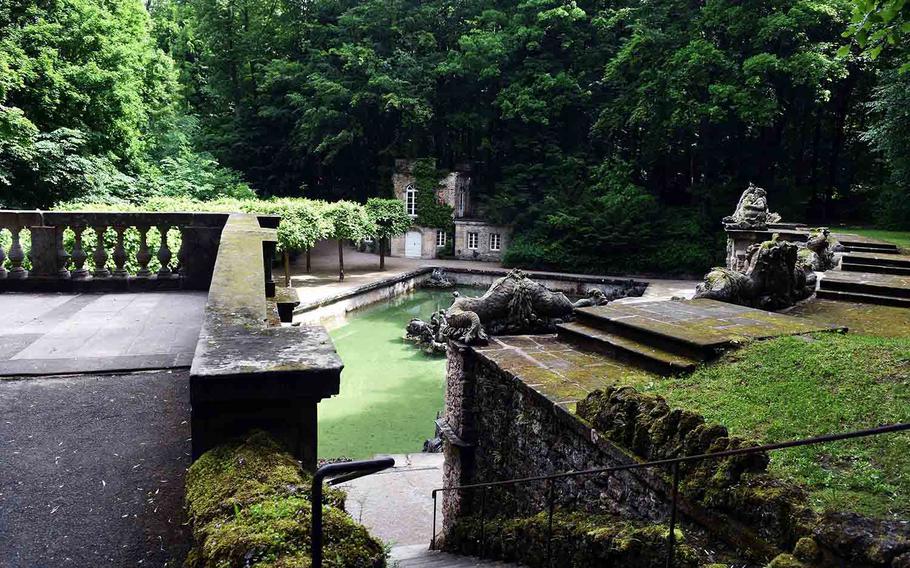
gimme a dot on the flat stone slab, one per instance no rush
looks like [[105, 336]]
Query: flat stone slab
[[559, 370], [883, 281], [876, 258], [93, 470], [85, 333], [704, 323], [396, 504]]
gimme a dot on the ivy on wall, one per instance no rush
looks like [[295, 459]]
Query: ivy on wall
[[430, 212]]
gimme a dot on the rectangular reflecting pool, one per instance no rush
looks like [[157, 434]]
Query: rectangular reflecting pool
[[390, 390]]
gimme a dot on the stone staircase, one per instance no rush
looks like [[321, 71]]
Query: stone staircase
[[854, 244], [865, 287], [671, 337], [419, 556], [876, 263]]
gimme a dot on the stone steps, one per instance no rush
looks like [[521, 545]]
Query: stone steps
[[871, 248], [670, 337], [875, 268], [863, 298], [888, 285], [419, 556], [626, 348]]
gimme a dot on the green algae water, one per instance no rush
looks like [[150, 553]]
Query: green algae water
[[390, 390]]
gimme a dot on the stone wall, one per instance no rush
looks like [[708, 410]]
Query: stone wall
[[483, 230], [506, 429]]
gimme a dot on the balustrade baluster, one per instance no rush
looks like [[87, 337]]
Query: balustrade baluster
[[2, 259], [183, 253], [143, 256], [79, 256], [63, 258], [164, 253], [16, 256], [120, 255], [100, 255]]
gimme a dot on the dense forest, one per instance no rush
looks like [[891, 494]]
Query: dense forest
[[613, 134]]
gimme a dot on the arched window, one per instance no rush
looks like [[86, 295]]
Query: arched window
[[410, 200]]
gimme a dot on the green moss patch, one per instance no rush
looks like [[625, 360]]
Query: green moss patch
[[579, 540], [248, 504], [794, 387]]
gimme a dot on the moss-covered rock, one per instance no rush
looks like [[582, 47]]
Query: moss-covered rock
[[579, 540], [806, 550], [785, 561], [249, 506]]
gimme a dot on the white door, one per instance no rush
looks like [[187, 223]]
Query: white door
[[412, 242]]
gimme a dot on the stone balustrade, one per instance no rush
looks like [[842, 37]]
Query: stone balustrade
[[61, 259]]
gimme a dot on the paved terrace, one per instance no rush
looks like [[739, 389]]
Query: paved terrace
[[94, 461]]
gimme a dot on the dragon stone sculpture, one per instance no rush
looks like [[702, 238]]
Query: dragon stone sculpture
[[514, 304], [774, 278], [751, 211]]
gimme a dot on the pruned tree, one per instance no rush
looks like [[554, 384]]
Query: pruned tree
[[389, 219], [348, 221]]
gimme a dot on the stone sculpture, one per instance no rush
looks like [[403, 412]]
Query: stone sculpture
[[817, 253], [773, 279], [751, 211], [430, 335], [438, 280], [514, 304]]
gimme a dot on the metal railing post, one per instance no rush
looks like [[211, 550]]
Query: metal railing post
[[551, 503], [433, 540], [483, 518], [346, 471], [671, 539]]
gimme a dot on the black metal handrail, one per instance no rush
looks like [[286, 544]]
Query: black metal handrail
[[345, 471], [672, 462]]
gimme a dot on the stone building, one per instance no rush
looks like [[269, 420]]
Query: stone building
[[474, 238]]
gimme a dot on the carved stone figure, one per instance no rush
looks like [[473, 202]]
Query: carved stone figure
[[817, 253], [438, 280], [514, 304], [773, 278], [751, 211], [430, 335]]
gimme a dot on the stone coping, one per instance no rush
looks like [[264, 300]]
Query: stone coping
[[702, 323], [238, 356], [427, 270]]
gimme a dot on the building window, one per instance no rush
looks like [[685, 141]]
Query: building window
[[410, 200], [495, 241], [440, 238], [472, 241]]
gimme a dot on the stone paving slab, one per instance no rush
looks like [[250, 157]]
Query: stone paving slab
[[555, 368], [889, 259], [396, 504], [59, 333], [93, 469], [704, 323]]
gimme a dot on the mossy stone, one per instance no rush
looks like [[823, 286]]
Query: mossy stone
[[806, 549]]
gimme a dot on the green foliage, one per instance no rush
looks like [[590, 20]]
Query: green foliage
[[388, 217], [89, 109], [430, 212], [348, 221], [878, 25], [248, 506]]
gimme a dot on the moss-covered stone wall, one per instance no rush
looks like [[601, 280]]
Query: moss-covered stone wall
[[249, 505]]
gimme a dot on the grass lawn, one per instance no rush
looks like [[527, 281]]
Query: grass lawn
[[900, 238], [794, 387]]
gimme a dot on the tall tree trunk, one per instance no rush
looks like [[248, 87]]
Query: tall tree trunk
[[340, 260], [308, 260], [287, 269], [381, 253]]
